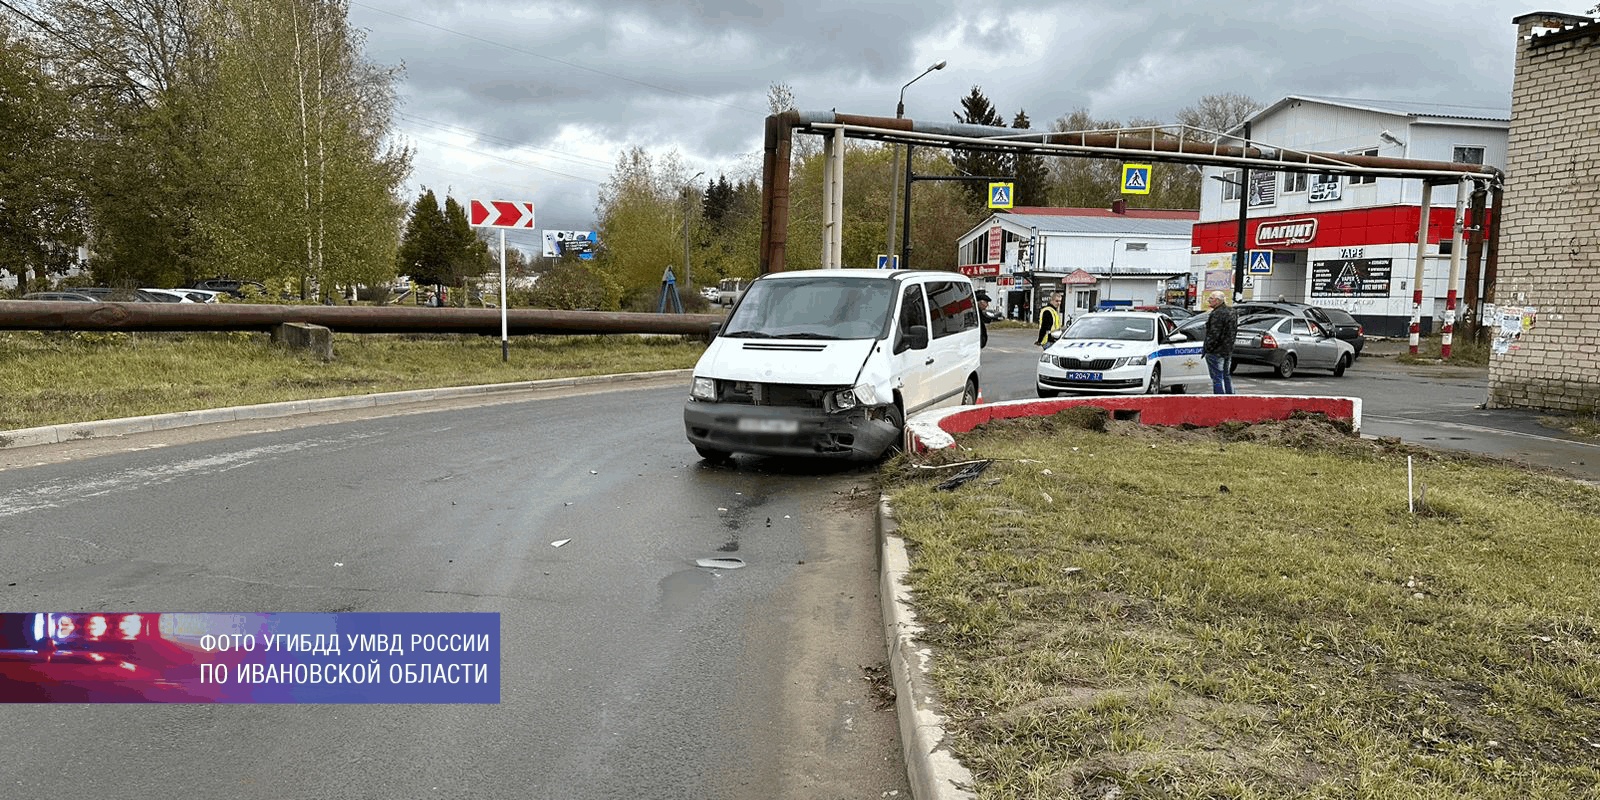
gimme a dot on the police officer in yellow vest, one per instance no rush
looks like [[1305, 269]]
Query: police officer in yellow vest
[[1050, 319]]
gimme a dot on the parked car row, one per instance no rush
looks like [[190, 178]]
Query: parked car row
[[1146, 352], [97, 294]]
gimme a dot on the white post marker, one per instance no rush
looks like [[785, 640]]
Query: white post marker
[[505, 340], [501, 214]]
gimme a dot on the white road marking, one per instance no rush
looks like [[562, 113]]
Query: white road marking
[[58, 493]]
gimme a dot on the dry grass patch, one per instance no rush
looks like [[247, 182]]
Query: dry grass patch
[[50, 378], [1253, 612]]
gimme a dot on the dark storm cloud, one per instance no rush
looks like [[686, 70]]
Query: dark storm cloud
[[584, 81]]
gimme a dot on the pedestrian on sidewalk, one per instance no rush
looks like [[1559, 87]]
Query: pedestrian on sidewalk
[[1221, 327]]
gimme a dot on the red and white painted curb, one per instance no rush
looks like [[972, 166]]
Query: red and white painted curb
[[934, 430]]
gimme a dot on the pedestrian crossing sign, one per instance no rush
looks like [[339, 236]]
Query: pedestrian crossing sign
[[1135, 178], [888, 262], [1001, 194], [1260, 262]]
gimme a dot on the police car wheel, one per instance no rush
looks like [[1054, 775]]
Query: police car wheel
[[1154, 384]]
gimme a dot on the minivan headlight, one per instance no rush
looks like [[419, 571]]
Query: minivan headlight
[[704, 389], [842, 399]]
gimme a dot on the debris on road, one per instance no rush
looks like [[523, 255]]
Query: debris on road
[[559, 542]]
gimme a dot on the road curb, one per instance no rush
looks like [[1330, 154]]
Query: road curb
[[934, 772], [79, 431]]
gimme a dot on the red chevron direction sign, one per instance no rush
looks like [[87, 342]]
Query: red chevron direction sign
[[499, 214]]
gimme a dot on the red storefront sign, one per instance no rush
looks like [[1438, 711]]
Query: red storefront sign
[[979, 270], [1353, 228]]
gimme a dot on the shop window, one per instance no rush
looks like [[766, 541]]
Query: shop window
[[1294, 182]]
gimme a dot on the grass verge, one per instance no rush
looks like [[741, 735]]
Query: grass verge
[[1463, 350], [1158, 613], [1584, 425], [51, 378]]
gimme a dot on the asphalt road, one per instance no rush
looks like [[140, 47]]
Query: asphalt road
[[627, 670]]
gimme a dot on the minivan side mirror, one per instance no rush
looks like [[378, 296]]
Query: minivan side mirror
[[912, 338], [716, 328]]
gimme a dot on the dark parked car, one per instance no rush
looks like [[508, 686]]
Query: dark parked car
[[73, 297], [1347, 328], [1287, 343], [1175, 313]]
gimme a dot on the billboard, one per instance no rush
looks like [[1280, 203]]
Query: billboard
[[562, 243], [1359, 277]]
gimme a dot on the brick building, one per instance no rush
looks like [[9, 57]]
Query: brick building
[[1547, 297]]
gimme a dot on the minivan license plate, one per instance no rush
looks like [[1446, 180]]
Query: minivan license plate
[[1083, 376], [758, 425]]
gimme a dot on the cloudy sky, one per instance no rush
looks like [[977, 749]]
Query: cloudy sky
[[534, 100]]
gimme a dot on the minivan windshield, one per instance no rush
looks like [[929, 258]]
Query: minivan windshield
[[813, 308]]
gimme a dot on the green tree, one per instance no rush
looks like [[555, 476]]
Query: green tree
[[1032, 173], [41, 209], [574, 285], [423, 253], [315, 188], [977, 110], [641, 211], [138, 72]]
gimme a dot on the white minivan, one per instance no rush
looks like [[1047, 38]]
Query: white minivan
[[830, 362]]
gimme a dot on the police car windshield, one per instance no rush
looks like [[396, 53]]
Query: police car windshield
[[1100, 326], [813, 308]]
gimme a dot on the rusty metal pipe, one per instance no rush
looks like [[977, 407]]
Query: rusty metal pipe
[[46, 315]]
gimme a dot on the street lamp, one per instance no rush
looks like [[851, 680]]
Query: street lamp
[[687, 284], [894, 163]]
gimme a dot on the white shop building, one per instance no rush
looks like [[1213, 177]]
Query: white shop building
[[1101, 258], [1347, 242]]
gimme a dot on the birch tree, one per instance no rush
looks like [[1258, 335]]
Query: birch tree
[[315, 186]]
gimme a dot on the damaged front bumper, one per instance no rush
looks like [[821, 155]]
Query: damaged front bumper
[[863, 433]]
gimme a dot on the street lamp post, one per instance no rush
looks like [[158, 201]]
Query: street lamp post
[[687, 284], [894, 164]]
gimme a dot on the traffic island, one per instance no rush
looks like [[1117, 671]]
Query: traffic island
[[935, 430]]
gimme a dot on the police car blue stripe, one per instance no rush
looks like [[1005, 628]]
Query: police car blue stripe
[[1177, 351]]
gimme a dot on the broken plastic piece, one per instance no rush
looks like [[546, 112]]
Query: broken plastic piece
[[720, 563], [559, 542], [965, 475]]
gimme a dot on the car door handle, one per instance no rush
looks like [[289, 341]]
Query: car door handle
[[926, 363]]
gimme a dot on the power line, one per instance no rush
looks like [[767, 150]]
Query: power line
[[507, 160], [526, 52], [452, 128]]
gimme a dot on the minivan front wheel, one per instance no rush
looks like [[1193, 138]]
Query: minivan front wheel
[[969, 395], [713, 455]]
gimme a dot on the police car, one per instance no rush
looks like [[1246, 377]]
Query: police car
[[1122, 352]]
